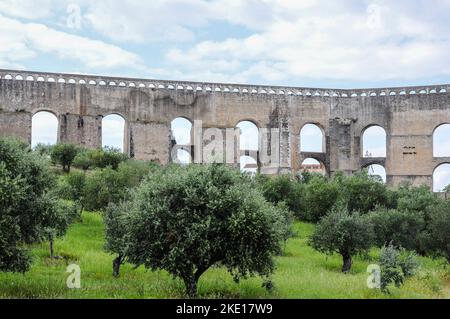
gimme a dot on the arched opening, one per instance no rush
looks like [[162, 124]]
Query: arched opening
[[44, 129], [441, 178], [113, 132], [248, 165], [248, 144], [181, 135], [312, 165], [374, 142], [441, 141], [312, 139], [181, 131], [183, 157], [378, 171], [249, 136]]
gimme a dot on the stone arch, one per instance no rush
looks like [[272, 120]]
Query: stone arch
[[441, 177], [313, 165], [181, 140], [114, 131], [249, 143], [248, 164], [376, 169], [441, 140], [373, 141], [249, 135], [312, 138], [44, 127]]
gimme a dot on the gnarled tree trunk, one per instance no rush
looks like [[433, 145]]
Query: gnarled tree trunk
[[116, 266], [347, 262], [52, 252]]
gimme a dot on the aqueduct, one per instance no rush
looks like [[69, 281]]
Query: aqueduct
[[409, 116]]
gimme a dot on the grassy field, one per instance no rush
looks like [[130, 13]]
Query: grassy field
[[301, 273]]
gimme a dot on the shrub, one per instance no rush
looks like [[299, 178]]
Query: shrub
[[84, 160], [112, 157], [187, 219], [105, 186], [25, 178], [396, 265], [64, 154], [437, 236], [282, 188], [72, 186], [362, 192], [43, 149], [419, 199], [319, 197], [343, 233], [400, 228]]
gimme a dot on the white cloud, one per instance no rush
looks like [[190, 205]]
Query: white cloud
[[147, 21], [28, 9], [285, 40], [20, 41], [377, 41]]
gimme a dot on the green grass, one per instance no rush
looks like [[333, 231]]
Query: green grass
[[301, 273]]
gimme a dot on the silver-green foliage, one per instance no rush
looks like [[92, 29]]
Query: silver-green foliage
[[396, 266], [187, 219]]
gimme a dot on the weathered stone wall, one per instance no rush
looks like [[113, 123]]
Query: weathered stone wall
[[409, 116]]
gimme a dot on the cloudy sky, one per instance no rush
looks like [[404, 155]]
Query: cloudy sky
[[312, 43], [354, 43]]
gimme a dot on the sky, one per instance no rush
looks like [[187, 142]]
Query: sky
[[307, 43], [344, 44]]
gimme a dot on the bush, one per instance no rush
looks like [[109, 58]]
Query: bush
[[343, 233], [437, 236], [362, 192], [71, 186], [282, 188], [112, 157], [25, 178], [84, 160], [64, 154], [396, 265], [99, 158], [105, 186], [400, 228], [319, 197], [187, 219], [43, 149], [418, 199]]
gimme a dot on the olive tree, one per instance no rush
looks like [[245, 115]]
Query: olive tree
[[320, 196], [64, 154], [400, 228], [72, 187], [25, 178], [116, 233], [437, 236], [362, 192], [58, 215], [342, 232], [187, 219]]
